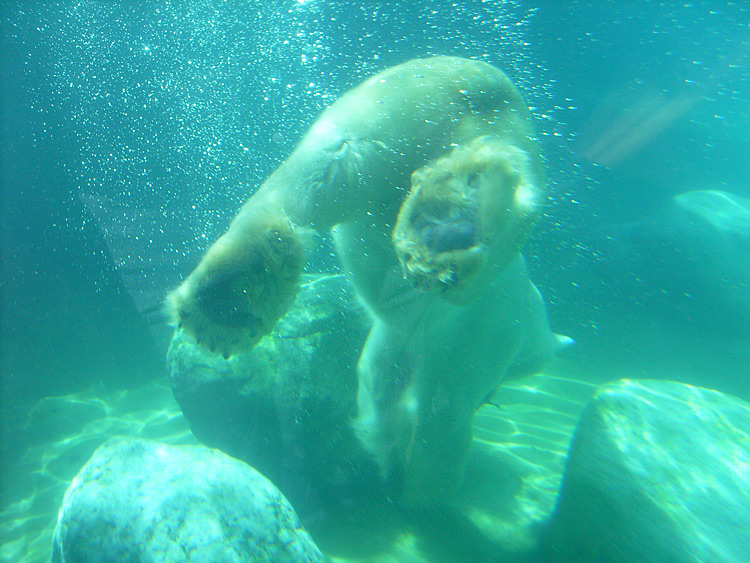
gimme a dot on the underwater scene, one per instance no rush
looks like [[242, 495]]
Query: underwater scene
[[391, 281]]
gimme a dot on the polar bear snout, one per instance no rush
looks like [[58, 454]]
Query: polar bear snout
[[442, 227], [448, 237]]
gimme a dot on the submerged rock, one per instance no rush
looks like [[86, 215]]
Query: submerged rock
[[691, 263], [706, 254], [137, 500], [722, 211], [676, 285], [657, 472], [285, 407]]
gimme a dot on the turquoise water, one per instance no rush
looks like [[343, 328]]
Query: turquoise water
[[132, 132]]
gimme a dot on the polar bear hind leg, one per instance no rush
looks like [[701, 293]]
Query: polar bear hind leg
[[244, 283]]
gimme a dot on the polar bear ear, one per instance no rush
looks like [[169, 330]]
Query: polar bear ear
[[467, 213]]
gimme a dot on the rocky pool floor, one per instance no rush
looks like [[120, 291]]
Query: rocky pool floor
[[527, 427]]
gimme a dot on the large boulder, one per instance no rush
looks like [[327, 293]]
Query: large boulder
[[668, 293], [657, 472], [285, 407], [137, 500], [697, 253]]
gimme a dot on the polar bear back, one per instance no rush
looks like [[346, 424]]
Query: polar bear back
[[395, 122], [442, 101]]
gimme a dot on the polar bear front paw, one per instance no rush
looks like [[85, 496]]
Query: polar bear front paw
[[243, 285], [465, 210]]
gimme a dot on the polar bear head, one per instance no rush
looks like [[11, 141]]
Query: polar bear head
[[466, 216]]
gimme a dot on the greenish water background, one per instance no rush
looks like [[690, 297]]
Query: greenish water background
[[133, 131]]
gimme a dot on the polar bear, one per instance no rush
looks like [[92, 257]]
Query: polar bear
[[431, 178]]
